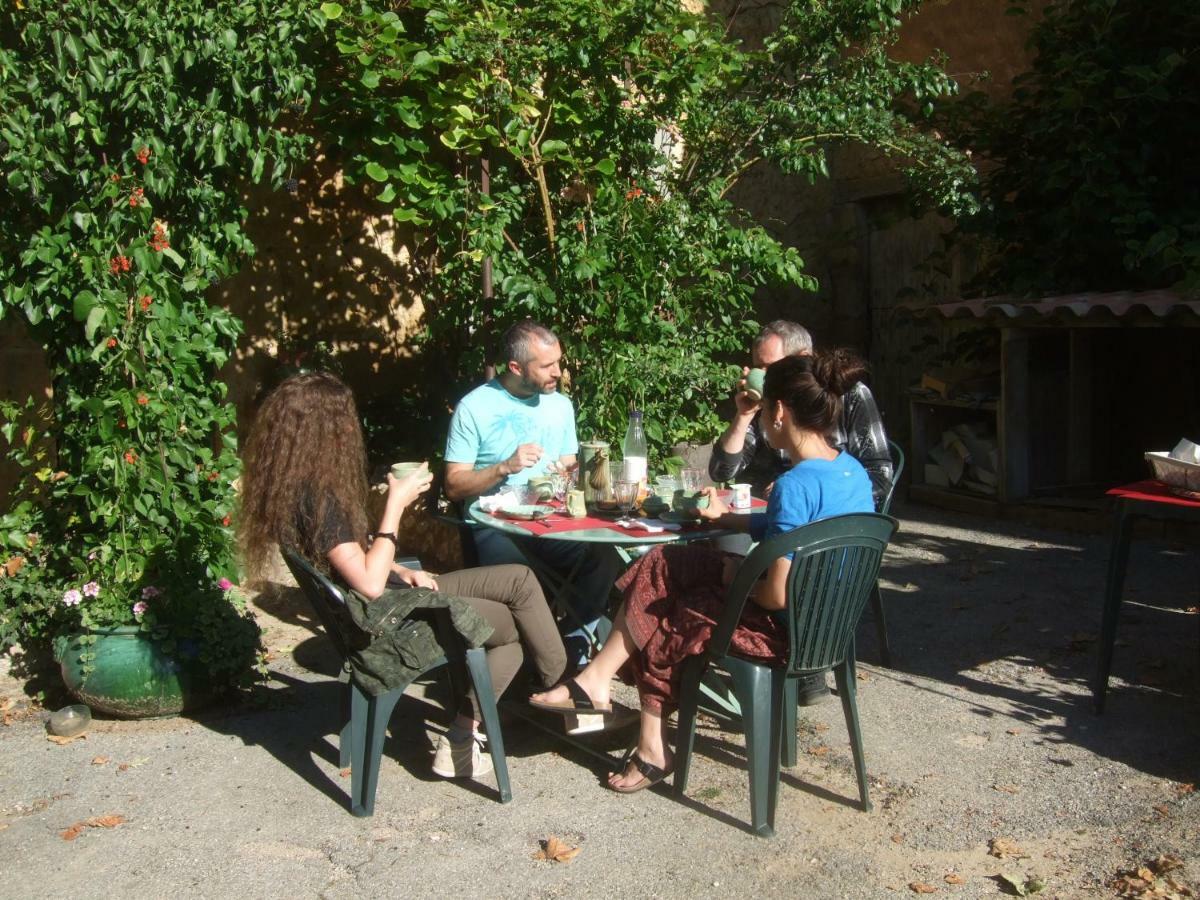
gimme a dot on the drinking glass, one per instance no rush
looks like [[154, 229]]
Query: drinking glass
[[626, 494], [691, 480]]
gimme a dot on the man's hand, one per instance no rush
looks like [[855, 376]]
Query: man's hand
[[747, 405], [525, 456], [416, 577]]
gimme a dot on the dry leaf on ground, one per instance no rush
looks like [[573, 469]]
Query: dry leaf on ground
[[1162, 809], [1006, 788], [60, 740], [1013, 731], [14, 565], [897, 839], [819, 750], [820, 726], [344, 773], [1149, 881], [1005, 848], [920, 887], [555, 850], [1183, 789], [100, 760], [73, 831], [954, 878]]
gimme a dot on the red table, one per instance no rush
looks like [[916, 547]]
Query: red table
[[1145, 499]]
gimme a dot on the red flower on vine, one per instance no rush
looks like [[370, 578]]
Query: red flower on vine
[[145, 302], [213, 476], [136, 197], [116, 177], [112, 342], [130, 457], [120, 423], [143, 155], [579, 226], [227, 521], [158, 241], [143, 399], [118, 264]]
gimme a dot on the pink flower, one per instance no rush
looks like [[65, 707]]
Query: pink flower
[[91, 589], [226, 585], [91, 556], [149, 593], [140, 607], [72, 597]]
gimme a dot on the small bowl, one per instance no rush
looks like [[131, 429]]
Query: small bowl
[[70, 720], [404, 469], [689, 504]]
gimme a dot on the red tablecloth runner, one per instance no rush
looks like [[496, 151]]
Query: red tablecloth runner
[[560, 523], [1153, 491]]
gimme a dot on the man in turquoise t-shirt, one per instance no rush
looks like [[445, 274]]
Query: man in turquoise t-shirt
[[509, 429]]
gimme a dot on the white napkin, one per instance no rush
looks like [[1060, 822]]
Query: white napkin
[[502, 499], [647, 525]]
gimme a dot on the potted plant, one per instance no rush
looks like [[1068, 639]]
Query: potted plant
[[116, 547]]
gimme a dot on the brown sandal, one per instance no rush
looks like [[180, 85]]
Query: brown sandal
[[579, 703], [651, 775]]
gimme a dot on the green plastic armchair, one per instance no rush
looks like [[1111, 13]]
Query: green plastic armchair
[[885, 650], [360, 744], [834, 569]]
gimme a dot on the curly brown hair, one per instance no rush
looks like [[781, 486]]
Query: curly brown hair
[[303, 472]]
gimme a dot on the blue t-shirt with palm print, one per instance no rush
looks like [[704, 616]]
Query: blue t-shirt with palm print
[[490, 423]]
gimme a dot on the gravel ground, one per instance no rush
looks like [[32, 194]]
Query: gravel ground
[[983, 730]]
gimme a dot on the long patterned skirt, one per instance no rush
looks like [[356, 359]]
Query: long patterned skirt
[[673, 599]]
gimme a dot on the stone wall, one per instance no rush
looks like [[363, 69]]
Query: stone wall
[[854, 231]]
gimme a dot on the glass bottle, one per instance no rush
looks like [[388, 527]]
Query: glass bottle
[[633, 449]]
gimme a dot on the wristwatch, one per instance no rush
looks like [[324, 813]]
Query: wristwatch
[[390, 535]]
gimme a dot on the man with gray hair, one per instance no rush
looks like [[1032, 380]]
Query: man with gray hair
[[742, 453], [504, 432]]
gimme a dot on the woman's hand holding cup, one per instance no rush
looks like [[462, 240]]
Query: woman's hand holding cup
[[411, 484], [715, 508]]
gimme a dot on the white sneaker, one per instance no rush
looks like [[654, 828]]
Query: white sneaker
[[461, 759]]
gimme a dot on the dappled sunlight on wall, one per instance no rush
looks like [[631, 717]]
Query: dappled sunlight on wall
[[329, 268]]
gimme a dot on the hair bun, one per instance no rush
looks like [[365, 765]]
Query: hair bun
[[837, 370]]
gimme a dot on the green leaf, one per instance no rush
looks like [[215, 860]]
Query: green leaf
[[370, 78], [84, 303], [606, 167], [94, 320], [376, 172], [387, 195], [553, 148], [174, 257], [464, 112], [331, 11]]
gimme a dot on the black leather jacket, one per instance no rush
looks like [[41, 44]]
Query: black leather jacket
[[859, 432]]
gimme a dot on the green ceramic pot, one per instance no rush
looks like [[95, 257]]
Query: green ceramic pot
[[133, 677]]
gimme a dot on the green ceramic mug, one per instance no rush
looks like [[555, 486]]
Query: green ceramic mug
[[754, 382]]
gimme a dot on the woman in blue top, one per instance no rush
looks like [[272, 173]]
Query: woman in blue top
[[674, 594]]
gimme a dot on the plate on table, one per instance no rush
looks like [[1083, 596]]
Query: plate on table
[[531, 512], [676, 518]]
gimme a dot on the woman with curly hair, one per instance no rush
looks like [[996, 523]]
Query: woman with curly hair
[[304, 487], [674, 594]]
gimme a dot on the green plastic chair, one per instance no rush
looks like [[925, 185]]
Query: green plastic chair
[[360, 743], [835, 566], [885, 650]]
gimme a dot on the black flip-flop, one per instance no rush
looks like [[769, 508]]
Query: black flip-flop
[[651, 775], [579, 703]]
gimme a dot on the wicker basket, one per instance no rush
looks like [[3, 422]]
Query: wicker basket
[[1181, 477]]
